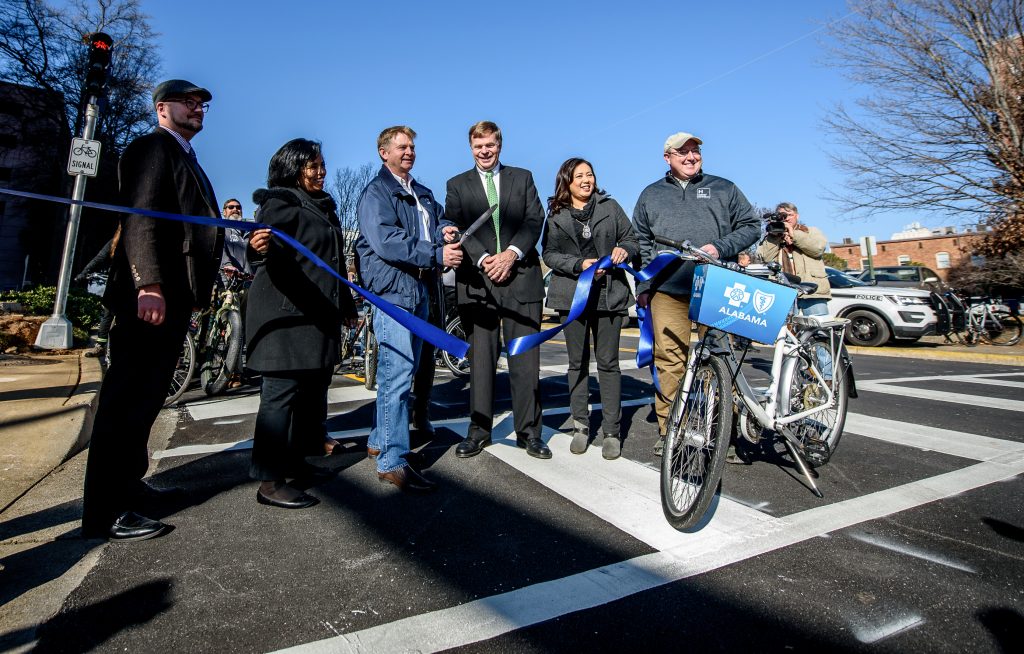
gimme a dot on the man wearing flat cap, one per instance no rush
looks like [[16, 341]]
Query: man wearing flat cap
[[160, 271], [711, 213]]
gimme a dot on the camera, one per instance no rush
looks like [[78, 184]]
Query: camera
[[775, 224]]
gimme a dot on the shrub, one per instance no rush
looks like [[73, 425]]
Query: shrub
[[83, 309]]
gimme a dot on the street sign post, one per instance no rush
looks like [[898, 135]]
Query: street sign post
[[56, 332], [869, 248], [84, 158]]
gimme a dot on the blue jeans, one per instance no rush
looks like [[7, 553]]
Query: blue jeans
[[398, 355], [818, 307]]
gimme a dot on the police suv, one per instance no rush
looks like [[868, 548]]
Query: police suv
[[879, 314]]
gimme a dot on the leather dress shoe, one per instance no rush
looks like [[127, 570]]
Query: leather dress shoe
[[300, 501], [471, 447], [132, 526], [535, 447], [372, 452], [408, 480]]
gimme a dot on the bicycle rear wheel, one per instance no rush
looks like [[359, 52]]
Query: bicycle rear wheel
[[696, 442], [183, 371], [370, 360], [1002, 328], [458, 365], [223, 353]]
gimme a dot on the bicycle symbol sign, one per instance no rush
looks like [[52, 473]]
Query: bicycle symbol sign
[[85, 157]]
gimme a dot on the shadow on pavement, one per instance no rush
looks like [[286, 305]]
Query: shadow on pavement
[[107, 617]]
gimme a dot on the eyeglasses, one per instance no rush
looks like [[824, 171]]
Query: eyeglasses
[[683, 153], [233, 206], [191, 104]]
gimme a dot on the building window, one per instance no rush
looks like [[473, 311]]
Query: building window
[[903, 260], [942, 260], [863, 264], [977, 260], [883, 248], [920, 246]]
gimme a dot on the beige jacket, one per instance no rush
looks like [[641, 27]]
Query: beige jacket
[[809, 247]]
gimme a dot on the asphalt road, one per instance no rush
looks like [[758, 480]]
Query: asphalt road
[[916, 546]]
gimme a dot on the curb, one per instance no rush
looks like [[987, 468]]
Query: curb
[[89, 368], [940, 355]]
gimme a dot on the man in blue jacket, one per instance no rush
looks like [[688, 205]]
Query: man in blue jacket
[[400, 247], [711, 213]]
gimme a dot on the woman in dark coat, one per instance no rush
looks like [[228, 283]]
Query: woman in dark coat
[[584, 225], [293, 323]]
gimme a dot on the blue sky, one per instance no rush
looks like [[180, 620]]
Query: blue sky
[[608, 81]]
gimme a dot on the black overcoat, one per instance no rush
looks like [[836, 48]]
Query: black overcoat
[[154, 173], [295, 308], [562, 253]]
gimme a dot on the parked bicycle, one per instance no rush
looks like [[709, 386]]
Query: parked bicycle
[[459, 366], [973, 320], [804, 406], [359, 343], [215, 341]]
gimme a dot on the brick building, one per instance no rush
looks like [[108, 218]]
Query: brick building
[[939, 252], [33, 138]]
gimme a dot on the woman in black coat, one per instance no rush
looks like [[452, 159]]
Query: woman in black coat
[[293, 323], [584, 225]]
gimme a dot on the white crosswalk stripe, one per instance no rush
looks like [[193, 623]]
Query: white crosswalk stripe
[[626, 495]]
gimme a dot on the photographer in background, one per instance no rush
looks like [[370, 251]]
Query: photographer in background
[[799, 250]]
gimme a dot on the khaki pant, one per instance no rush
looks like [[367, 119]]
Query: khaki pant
[[672, 329]]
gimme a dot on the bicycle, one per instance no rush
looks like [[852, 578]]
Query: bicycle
[[360, 341], [183, 370], [459, 366], [222, 345], [980, 320], [215, 336], [84, 150], [804, 406]]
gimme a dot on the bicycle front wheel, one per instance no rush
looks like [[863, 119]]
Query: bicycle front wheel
[[1002, 328], [458, 365], [222, 355], [183, 371], [696, 442], [819, 432]]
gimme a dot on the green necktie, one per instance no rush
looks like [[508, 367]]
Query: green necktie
[[492, 200]]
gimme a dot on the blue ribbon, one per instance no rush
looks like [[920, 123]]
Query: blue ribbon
[[584, 286], [421, 328]]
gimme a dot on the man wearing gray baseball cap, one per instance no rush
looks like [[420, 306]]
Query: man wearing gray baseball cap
[[160, 271], [710, 212]]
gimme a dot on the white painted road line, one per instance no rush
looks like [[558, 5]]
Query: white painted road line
[[942, 396], [981, 378], [224, 407], [493, 616], [946, 441]]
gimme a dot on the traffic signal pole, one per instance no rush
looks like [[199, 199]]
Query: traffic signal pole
[[56, 333]]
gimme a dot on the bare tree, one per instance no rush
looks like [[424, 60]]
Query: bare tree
[[346, 186], [994, 276], [942, 128], [41, 46]]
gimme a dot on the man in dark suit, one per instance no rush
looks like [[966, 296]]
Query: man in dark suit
[[160, 270], [499, 286]]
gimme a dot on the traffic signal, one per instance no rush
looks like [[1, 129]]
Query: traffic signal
[[100, 45]]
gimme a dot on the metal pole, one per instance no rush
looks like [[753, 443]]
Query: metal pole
[[56, 333]]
